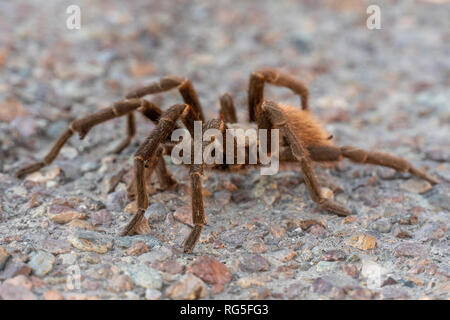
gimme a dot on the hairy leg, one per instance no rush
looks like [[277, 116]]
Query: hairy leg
[[184, 86], [131, 131], [333, 153], [145, 154], [227, 109], [256, 88], [82, 126], [278, 120]]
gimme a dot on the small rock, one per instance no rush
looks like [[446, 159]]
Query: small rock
[[389, 282], [144, 276], [189, 287], [153, 294], [351, 270], [44, 176], [115, 201], [432, 231], [210, 270], [67, 216], [21, 281], [41, 263], [249, 282], [128, 241], [137, 249], [53, 295], [363, 242], [4, 257], [254, 263], [13, 269], [55, 246], [90, 241], [10, 292], [416, 186], [321, 286], [234, 237], [101, 218], [306, 224], [410, 249], [394, 293], [382, 225], [81, 224], [156, 212], [120, 283], [184, 215], [325, 266], [334, 255]]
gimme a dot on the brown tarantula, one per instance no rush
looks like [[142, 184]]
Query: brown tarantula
[[302, 139]]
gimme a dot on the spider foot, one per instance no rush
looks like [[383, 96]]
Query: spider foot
[[29, 169], [335, 207]]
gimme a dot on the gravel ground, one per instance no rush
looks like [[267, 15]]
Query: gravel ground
[[377, 89]]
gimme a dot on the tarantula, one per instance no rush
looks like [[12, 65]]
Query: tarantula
[[302, 140]]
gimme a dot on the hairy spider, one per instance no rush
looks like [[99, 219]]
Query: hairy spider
[[302, 140]]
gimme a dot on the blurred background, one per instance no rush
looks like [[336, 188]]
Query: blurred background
[[387, 85]]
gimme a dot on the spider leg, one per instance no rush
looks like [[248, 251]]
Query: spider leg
[[198, 212], [131, 131], [82, 126], [256, 88], [166, 180], [333, 153], [184, 86], [386, 160], [278, 120], [227, 109], [147, 153]]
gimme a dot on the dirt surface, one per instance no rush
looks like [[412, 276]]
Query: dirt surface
[[384, 89]]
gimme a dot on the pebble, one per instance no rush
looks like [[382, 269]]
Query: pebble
[[382, 225], [189, 287], [184, 215], [137, 249], [321, 286], [210, 270], [4, 257], [393, 293], [10, 292], [325, 266], [41, 263], [334, 255], [115, 201], [128, 241], [432, 231], [45, 175], [153, 294], [254, 263], [13, 269], [362, 241], [21, 281], [416, 186], [90, 241], [67, 216], [120, 283], [101, 218], [410, 249], [156, 212], [249, 282], [81, 224], [55, 246], [234, 237], [144, 276], [53, 295]]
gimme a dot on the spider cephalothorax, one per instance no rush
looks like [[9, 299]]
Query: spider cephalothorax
[[301, 138]]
